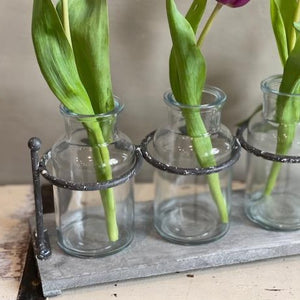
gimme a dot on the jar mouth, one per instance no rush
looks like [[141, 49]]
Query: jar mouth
[[271, 85], [117, 109], [218, 98]]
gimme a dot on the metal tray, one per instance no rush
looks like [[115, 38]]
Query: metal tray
[[150, 255]]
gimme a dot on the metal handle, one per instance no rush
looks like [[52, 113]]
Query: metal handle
[[41, 239]]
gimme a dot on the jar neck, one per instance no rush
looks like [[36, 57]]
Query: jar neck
[[210, 110], [77, 125], [274, 97]]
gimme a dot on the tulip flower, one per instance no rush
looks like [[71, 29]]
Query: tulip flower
[[233, 3]]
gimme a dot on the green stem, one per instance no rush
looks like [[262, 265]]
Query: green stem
[[203, 148], [66, 22], [285, 137], [208, 24], [272, 178], [103, 172], [292, 41]]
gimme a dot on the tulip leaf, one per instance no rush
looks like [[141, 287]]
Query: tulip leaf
[[282, 12], [188, 59], [297, 26], [279, 31], [193, 16], [90, 40], [59, 67], [187, 77], [288, 9], [288, 110], [195, 13], [56, 59]]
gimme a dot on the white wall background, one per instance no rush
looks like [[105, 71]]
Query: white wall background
[[240, 52]]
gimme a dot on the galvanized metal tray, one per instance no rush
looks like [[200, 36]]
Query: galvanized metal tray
[[150, 255]]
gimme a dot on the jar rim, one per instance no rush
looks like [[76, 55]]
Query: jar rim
[[220, 98], [266, 88], [118, 107]]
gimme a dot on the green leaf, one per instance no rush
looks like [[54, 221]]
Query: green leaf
[[56, 59], [297, 26], [288, 9], [90, 40], [193, 16], [288, 109], [195, 13], [287, 112], [188, 59], [187, 77], [282, 13], [279, 31]]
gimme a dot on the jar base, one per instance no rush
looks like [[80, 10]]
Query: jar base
[[87, 237], [280, 211], [184, 221]]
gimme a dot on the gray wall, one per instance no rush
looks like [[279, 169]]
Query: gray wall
[[240, 52]]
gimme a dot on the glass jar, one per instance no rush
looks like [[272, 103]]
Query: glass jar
[[93, 223], [273, 189], [193, 209]]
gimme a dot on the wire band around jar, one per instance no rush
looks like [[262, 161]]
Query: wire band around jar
[[235, 154], [260, 153], [89, 186]]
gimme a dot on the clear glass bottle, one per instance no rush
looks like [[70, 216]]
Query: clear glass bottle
[[185, 211], [93, 223], [273, 201]]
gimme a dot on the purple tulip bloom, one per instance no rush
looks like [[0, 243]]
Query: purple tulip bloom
[[233, 3]]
